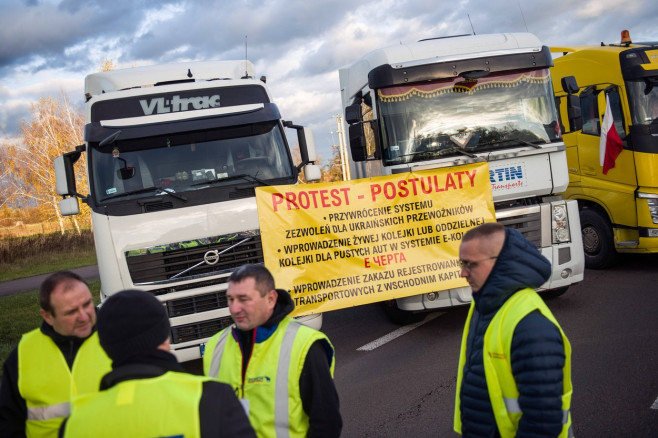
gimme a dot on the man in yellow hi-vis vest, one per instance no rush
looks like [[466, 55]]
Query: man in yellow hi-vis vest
[[53, 363], [514, 375], [147, 393], [281, 370]]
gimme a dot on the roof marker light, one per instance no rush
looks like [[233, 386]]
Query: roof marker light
[[625, 37]]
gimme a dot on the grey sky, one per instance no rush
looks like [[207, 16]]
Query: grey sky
[[48, 46]]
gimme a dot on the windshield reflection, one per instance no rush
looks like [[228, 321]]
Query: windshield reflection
[[443, 118], [174, 164], [644, 107]]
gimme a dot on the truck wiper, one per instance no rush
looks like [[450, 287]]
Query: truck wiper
[[234, 177], [511, 140], [439, 153], [156, 190], [527, 143], [459, 151]]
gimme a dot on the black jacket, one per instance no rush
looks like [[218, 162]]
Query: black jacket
[[220, 412], [537, 350], [317, 389], [13, 410]]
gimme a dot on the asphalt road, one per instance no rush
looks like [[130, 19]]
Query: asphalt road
[[406, 387], [31, 283], [396, 383]]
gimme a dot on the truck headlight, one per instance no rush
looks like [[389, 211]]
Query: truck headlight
[[653, 209], [652, 202], [560, 224]]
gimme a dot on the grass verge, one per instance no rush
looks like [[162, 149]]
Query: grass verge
[[22, 257], [19, 314], [46, 264]]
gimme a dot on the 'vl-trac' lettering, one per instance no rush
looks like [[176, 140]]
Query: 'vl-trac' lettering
[[160, 105]]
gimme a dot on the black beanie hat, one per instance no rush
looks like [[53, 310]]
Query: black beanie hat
[[131, 322]]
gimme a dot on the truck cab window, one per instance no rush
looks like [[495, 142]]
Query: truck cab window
[[644, 107], [450, 116], [183, 162], [590, 110], [617, 114]]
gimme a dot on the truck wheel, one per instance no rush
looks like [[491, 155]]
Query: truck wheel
[[554, 293], [598, 242], [399, 316]]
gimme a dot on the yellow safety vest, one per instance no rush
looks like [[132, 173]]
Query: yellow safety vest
[[47, 384], [271, 381], [503, 393], [163, 406]]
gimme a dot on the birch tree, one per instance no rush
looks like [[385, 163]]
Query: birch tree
[[55, 128], [333, 171]]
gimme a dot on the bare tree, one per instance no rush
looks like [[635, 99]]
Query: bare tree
[[334, 170], [7, 184], [55, 128]]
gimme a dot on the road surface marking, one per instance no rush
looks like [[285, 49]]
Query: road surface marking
[[399, 332], [655, 404]]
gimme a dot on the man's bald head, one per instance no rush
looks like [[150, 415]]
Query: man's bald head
[[478, 251], [490, 236]]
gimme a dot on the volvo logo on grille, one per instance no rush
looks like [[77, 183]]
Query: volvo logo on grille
[[211, 257]]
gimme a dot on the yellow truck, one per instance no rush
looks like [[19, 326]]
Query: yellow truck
[[618, 201]]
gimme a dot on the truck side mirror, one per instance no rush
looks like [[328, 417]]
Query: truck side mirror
[[358, 142], [65, 182], [307, 145], [312, 173], [569, 85], [574, 113], [69, 206], [306, 142], [64, 173], [353, 113]]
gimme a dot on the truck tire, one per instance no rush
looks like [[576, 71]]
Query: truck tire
[[399, 316], [549, 294], [598, 241]]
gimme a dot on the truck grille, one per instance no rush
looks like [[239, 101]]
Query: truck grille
[[159, 264], [199, 330], [527, 224], [196, 304]]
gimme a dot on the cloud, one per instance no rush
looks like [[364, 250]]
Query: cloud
[[11, 115], [49, 45]]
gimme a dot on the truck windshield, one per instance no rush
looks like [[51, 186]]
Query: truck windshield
[[450, 117], [644, 107], [190, 161]]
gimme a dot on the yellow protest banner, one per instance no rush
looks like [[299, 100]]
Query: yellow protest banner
[[343, 244]]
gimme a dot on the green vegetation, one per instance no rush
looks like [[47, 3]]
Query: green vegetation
[[34, 255], [20, 313], [22, 257]]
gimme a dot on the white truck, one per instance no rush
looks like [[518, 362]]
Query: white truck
[[173, 156], [458, 100]]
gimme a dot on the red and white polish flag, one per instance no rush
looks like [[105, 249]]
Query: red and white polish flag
[[610, 144]]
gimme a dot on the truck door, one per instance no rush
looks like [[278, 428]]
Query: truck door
[[614, 191], [593, 105]]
